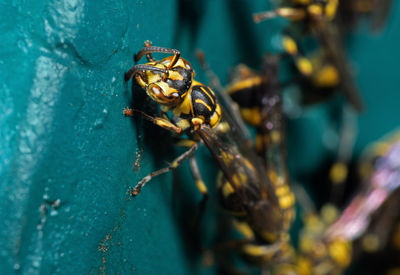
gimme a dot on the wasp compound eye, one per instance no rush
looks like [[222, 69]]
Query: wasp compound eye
[[155, 90]]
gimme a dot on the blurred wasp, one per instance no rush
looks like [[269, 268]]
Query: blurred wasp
[[244, 187], [259, 100], [329, 69], [329, 241]]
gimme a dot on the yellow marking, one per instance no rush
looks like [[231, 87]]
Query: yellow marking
[[173, 75], [340, 251], [227, 157], [289, 45], [209, 96], [282, 190], [327, 76], [370, 243], [140, 81], [201, 186], [197, 122], [315, 10], [275, 136], [199, 101], [153, 77], [236, 179], [244, 229], [303, 265], [251, 116], [244, 84], [286, 201], [214, 119], [223, 127], [227, 190], [302, 2], [304, 66], [274, 178], [255, 250], [291, 13], [306, 244], [186, 143], [183, 124], [330, 9], [248, 164], [329, 213], [313, 223], [167, 125], [338, 173], [175, 164], [218, 109]]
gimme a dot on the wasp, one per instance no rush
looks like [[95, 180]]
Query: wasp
[[191, 108], [329, 69], [260, 103], [259, 100], [327, 241]]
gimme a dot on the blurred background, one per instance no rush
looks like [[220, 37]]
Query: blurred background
[[68, 155]]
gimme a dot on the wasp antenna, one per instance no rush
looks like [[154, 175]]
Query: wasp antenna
[[152, 49], [141, 68]]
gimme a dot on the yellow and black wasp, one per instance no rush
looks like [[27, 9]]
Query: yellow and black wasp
[[329, 241], [328, 69], [260, 103], [259, 99], [244, 187]]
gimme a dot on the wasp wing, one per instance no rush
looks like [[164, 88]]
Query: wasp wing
[[328, 35], [248, 180]]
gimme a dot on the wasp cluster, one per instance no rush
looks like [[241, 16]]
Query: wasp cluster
[[254, 184]]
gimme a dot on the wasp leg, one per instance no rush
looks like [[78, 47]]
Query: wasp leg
[[194, 167], [152, 49], [149, 57], [175, 164], [162, 122], [292, 14]]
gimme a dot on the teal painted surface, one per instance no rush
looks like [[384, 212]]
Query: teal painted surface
[[63, 136]]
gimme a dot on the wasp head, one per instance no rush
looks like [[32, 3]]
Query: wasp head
[[167, 86]]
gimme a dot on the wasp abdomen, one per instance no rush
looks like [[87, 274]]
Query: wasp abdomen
[[205, 104]]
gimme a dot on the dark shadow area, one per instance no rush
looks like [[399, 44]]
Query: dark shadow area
[[150, 137]]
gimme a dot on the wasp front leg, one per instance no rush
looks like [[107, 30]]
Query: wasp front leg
[[162, 122], [175, 164]]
